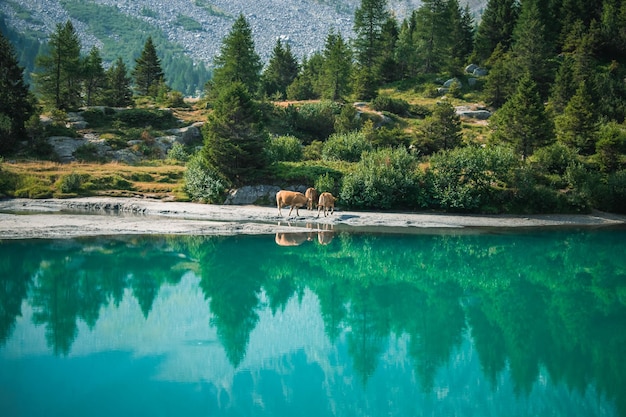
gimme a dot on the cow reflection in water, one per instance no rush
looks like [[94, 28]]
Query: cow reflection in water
[[325, 235]]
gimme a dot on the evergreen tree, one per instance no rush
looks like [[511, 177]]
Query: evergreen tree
[[118, 92], [499, 83], [389, 38], [461, 36], [405, 52], [432, 37], [147, 72], [522, 121], [16, 105], [237, 60], [496, 27], [306, 85], [281, 70], [564, 86], [94, 77], [442, 130], [577, 127], [336, 68], [234, 141], [58, 81], [532, 50], [369, 19]]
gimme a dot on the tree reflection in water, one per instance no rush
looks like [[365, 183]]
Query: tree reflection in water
[[529, 301]]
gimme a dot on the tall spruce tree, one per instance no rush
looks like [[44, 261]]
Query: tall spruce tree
[[389, 69], [432, 36], [442, 129], [369, 19], [532, 47], [234, 140], [281, 70], [118, 87], [522, 121], [94, 77], [148, 73], [577, 127], [495, 27], [237, 60], [461, 36], [58, 80], [16, 104], [336, 69]]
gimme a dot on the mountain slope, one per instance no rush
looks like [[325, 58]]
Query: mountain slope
[[188, 33]]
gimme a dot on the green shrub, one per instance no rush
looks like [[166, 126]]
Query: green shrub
[[88, 153], [392, 105], [178, 152], [554, 159], [383, 179], [315, 119], [202, 183], [285, 148], [70, 183], [326, 183], [142, 118], [346, 147], [313, 151], [464, 179], [97, 117]]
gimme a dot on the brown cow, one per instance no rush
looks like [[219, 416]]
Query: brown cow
[[290, 198], [312, 195], [326, 202]]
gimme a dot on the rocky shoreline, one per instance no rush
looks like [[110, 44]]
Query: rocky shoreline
[[99, 216]]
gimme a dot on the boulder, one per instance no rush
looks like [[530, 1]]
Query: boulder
[[251, 194], [480, 72], [470, 68], [472, 113], [451, 81]]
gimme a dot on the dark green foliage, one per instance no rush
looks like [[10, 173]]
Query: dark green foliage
[[94, 78], [317, 120], [369, 19], [441, 130], [307, 172], [522, 121], [392, 105], [334, 79], [234, 141], [147, 72], [464, 179], [281, 71], [285, 148], [577, 126], [237, 60], [384, 179], [141, 118], [345, 146], [58, 79], [16, 105], [118, 92], [611, 146], [496, 27]]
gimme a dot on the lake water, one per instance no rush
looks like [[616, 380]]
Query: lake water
[[324, 324]]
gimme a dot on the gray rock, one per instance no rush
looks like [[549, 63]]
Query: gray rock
[[465, 111], [451, 81], [480, 72], [251, 194], [470, 68]]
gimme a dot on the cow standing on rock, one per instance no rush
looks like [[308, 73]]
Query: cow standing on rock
[[292, 199], [326, 203]]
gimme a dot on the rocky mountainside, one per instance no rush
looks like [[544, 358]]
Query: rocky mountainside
[[196, 26]]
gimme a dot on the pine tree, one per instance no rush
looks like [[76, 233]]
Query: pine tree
[[532, 50], [306, 85], [59, 79], [94, 77], [496, 27], [118, 92], [16, 104], [234, 141], [389, 38], [577, 127], [337, 67], [237, 60], [522, 121], [432, 36], [369, 19], [281, 70], [443, 128], [147, 72], [499, 83], [461, 36], [405, 52]]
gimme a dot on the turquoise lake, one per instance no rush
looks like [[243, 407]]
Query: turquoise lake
[[498, 323]]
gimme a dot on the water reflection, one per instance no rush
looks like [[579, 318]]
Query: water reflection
[[531, 307]]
